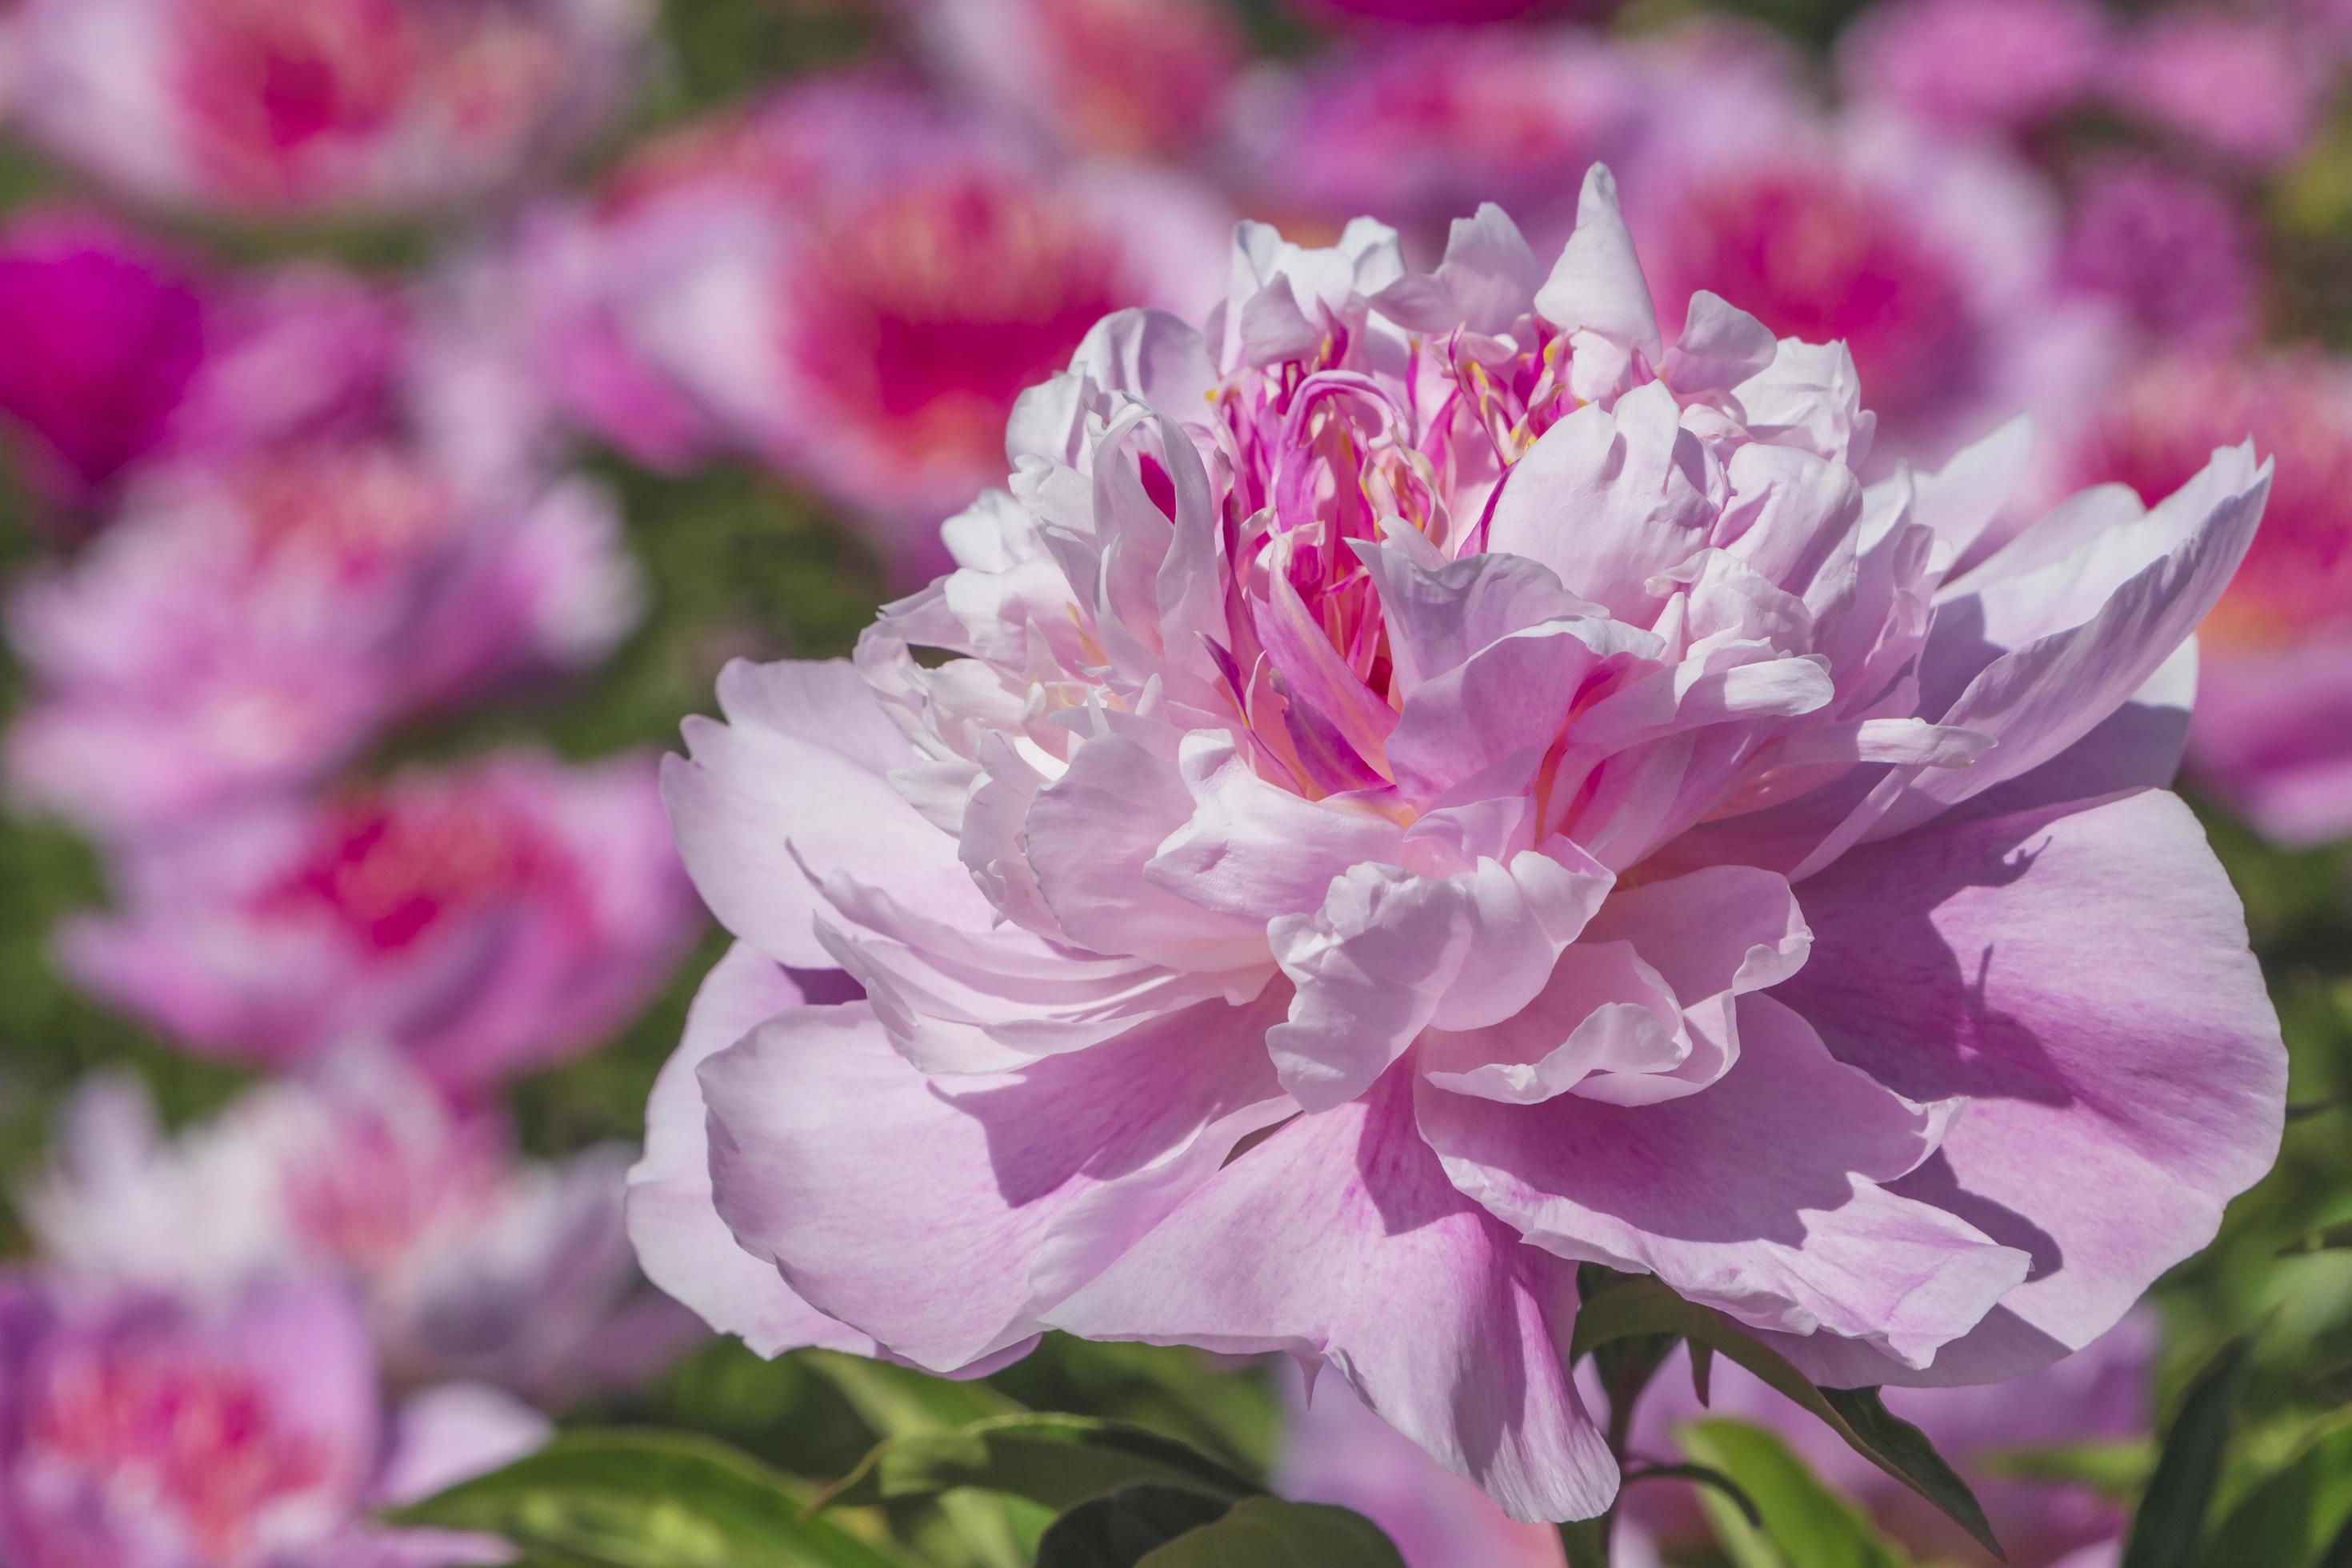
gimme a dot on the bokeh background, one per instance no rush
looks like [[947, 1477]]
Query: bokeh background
[[409, 405]]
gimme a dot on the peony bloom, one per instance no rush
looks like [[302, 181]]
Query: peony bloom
[[471, 1263], [1976, 65], [139, 1431], [2273, 736], [1139, 78], [853, 285], [1445, 13], [308, 109], [2172, 249], [2100, 1394], [1430, 786], [2245, 87], [249, 623], [106, 330], [483, 922]]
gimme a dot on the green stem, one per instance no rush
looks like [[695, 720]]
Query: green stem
[[1587, 1541]]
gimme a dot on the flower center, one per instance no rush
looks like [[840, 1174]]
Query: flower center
[[371, 1187], [358, 510], [389, 870]]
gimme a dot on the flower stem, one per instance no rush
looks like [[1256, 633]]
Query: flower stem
[[1587, 1541]]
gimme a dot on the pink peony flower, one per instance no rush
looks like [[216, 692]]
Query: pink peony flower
[[2273, 736], [1988, 65], [471, 1263], [2100, 1394], [853, 285], [1445, 13], [1132, 77], [1432, 786], [2245, 87], [250, 623], [303, 109], [2172, 248], [138, 1431], [483, 922], [106, 331]]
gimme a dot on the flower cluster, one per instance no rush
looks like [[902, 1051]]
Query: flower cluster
[[1432, 786]]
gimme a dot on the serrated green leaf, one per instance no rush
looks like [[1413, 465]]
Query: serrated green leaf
[[644, 1500], [2290, 1516], [1056, 1460], [1268, 1532], [1804, 1523], [2167, 1531], [1646, 1306], [1122, 1528]]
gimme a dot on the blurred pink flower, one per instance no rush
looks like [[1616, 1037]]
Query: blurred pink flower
[[2245, 87], [106, 330], [303, 109], [1446, 13], [2101, 1394], [2172, 248], [1416, 762], [2273, 736], [1992, 65], [137, 1431], [483, 922], [1936, 261], [1123, 78], [1418, 130], [471, 1263], [853, 285], [253, 622]]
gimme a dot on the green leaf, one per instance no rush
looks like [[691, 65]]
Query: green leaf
[[2328, 1238], [1120, 1530], [1056, 1460], [2113, 1469], [1646, 1306], [1268, 1532], [2170, 1522], [2290, 1516], [1804, 1524], [644, 1500]]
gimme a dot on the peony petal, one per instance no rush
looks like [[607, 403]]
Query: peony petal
[[1597, 295], [682, 1244], [1337, 1238], [2080, 976], [1759, 1196], [926, 1212]]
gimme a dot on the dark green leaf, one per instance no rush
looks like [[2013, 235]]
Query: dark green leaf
[[644, 1500], [1056, 1460], [2170, 1523], [1121, 1530], [2289, 1519], [1804, 1523], [1645, 1306], [1267, 1532], [1702, 1362]]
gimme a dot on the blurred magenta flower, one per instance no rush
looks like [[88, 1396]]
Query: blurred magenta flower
[[138, 1431], [1976, 65], [854, 285], [106, 330], [1432, 786], [1446, 13], [1417, 130], [251, 623], [472, 1264], [2245, 86], [2099, 1394], [2172, 248], [2273, 736], [1121, 78], [483, 921], [308, 109]]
